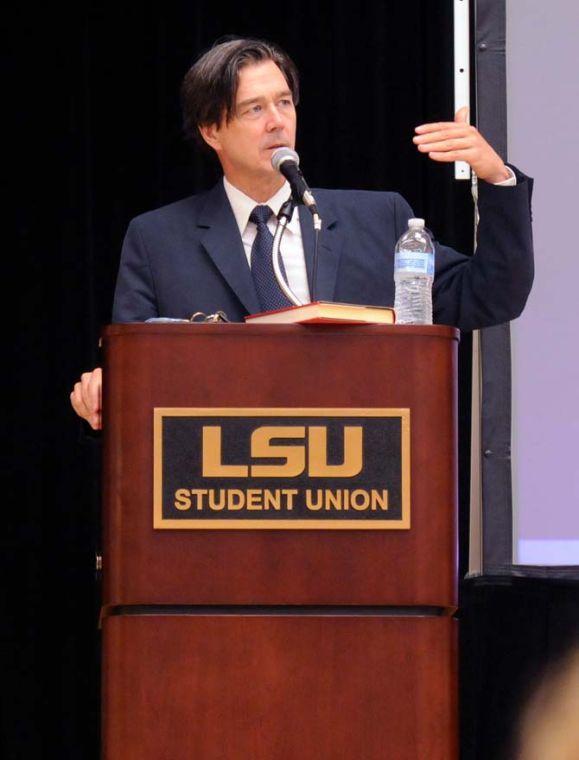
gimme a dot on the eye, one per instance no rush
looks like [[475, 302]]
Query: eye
[[252, 112]]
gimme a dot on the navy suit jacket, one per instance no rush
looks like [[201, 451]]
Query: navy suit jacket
[[189, 257]]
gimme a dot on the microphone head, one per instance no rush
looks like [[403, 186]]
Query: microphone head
[[281, 155]]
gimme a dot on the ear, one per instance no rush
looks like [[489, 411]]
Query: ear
[[210, 133]]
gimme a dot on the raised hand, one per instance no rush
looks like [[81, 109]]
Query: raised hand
[[457, 140]]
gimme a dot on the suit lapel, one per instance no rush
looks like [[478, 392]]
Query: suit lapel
[[329, 251], [222, 241]]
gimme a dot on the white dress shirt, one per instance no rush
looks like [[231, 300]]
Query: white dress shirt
[[292, 247]]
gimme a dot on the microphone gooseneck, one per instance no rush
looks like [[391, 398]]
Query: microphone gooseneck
[[287, 162]]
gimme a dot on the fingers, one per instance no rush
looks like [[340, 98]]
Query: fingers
[[449, 141], [441, 126], [444, 132], [459, 143], [451, 155], [86, 398]]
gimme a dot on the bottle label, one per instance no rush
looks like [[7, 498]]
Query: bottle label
[[409, 262]]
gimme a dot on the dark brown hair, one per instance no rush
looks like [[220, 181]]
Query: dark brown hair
[[210, 86]]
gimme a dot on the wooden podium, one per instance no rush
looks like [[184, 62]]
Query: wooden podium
[[241, 621]]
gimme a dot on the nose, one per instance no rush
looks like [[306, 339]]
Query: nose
[[275, 120]]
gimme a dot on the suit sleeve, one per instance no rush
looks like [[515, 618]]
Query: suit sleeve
[[135, 299], [491, 287]]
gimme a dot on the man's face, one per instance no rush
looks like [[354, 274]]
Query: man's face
[[263, 119]]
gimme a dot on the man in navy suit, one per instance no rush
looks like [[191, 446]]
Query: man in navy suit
[[197, 254]]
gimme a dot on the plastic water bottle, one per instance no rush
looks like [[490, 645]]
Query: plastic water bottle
[[413, 275]]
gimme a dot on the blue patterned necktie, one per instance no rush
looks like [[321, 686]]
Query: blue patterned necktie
[[269, 293]]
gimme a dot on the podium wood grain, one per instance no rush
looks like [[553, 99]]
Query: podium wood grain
[[280, 688]]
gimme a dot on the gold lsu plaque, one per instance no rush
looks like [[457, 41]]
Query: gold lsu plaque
[[288, 468]]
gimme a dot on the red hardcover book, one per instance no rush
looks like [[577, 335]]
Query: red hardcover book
[[325, 311]]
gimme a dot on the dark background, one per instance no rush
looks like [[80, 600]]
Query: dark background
[[92, 102]]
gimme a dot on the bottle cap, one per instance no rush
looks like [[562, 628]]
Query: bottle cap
[[416, 224]]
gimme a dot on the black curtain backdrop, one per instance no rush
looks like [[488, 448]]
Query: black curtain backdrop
[[92, 102]]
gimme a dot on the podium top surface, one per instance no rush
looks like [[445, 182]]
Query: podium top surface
[[237, 328]]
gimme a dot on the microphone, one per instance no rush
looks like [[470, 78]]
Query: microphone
[[287, 162]]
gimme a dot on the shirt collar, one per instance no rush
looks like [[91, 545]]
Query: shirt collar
[[242, 205]]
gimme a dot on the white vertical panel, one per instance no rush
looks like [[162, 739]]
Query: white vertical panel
[[461, 70]]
